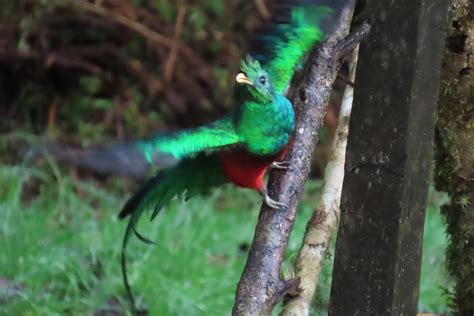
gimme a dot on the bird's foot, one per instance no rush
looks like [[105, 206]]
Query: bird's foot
[[271, 202], [280, 165]]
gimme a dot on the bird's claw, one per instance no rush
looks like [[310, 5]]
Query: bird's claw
[[280, 165], [271, 202]]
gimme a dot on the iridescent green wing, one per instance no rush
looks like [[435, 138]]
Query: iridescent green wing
[[296, 27], [189, 142]]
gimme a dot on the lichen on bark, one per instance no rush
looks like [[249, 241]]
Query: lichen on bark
[[455, 153]]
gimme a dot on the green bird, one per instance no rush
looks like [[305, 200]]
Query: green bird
[[243, 145]]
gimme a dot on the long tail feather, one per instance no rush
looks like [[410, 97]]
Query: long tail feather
[[189, 177]]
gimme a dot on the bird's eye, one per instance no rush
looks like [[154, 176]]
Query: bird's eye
[[263, 80]]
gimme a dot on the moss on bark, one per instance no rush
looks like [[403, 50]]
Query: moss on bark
[[455, 153]]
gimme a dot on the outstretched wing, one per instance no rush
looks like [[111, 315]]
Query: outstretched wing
[[295, 27], [188, 142], [133, 159], [121, 159]]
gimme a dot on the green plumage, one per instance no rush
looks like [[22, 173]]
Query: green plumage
[[265, 128], [188, 178], [301, 34], [249, 127], [184, 143], [260, 126], [162, 188]]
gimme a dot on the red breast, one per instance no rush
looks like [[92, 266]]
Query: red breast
[[245, 169]]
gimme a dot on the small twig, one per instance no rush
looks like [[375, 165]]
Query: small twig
[[131, 24], [351, 41], [72, 63], [52, 114], [288, 287], [323, 223], [109, 53], [56, 60], [152, 84], [147, 33], [169, 66], [345, 79], [262, 9]]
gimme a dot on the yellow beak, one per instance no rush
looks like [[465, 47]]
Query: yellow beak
[[242, 78]]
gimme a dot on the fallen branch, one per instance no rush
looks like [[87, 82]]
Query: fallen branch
[[323, 223], [260, 286]]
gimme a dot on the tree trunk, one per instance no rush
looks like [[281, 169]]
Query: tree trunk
[[388, 162]]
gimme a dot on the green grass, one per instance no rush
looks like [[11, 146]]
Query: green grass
[[60, 246], [434, 278]]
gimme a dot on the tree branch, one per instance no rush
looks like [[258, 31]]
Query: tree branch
[[129, 23], [262, 9], [325, 216], [260, 286], [169, 66], [147, 33]]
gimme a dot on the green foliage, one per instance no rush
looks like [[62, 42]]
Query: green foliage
[[165, 8], [10, 11], [90, 85], [214, 7]]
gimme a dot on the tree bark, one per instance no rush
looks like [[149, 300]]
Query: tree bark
[[388, 161], [455, 152], [260, 286], [323, 222]]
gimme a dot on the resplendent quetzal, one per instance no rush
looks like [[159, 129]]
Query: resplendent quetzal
[[240, 147]]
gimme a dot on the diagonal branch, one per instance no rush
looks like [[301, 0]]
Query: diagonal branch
[[323, 223], [260, 286], [262, 9], [170, 62], [129, 23], [146, 32]]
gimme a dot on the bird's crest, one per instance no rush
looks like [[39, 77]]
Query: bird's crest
[[250, 66], [255, 79]]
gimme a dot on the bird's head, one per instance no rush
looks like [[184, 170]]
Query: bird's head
[[255, 79]]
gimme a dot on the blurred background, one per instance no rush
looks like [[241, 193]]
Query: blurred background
[[76, 74]]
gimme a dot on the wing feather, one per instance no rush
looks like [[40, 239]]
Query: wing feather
[[296, 26], [189, 142]]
